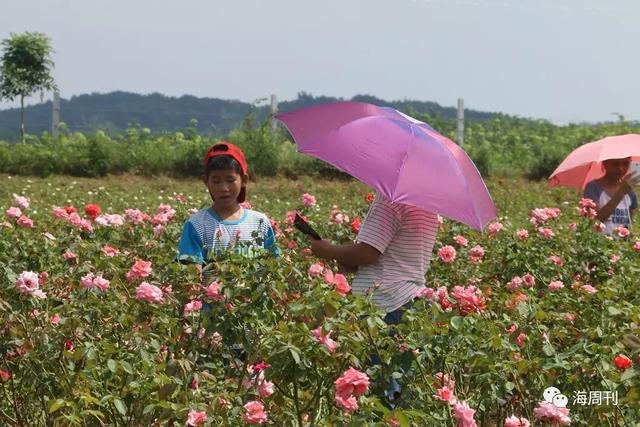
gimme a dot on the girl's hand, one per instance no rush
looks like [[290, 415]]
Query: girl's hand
[[627, 183]]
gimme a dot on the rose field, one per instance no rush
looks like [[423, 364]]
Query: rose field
[[99, 325]]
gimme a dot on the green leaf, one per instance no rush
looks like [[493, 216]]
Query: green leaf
[[295, 354], [126, 366], [509, 386], [613, 311], [628, 374], [112, 365], [548, 349], [120, 406], [457, 322], [57, 404]]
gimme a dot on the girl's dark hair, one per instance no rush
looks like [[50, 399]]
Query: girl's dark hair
[[222, 163]]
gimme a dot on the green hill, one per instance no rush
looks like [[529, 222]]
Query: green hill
[[116, 111]]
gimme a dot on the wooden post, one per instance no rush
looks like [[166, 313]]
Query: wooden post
[[274, 111], [460, 122], [55, 116]]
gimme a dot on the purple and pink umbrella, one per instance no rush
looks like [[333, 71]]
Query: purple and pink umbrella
[[403, 158]]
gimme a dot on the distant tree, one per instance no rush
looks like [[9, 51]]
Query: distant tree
[[25, 68]]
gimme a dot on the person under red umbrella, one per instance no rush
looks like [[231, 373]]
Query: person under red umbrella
[[613, 194]]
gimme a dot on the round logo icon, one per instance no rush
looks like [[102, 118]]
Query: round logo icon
[[549, 393]]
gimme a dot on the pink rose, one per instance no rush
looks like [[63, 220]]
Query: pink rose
[[140, 269], [469, 299], [134, 215], [60, 213], [546, 232], [446, 394], [21, 201], [315, 270], [326, 340], [555, 285], [447, 254], [514, 421], [636, 246], [515, 283], [461, 240], [254, 413], [425, 292], [476, 254], [556, 260], [14, 212], [25, 222], [196, 418], [494, 228], [68, 255], [622, 231], [520, 339], [55, 320], [348, 403], [213, 292], [265, 388], [589, 289], [443, 380], [464, 415], [522, 234], [28, 282], [548, 412], [308, 200], [87, 280], [599, 227], [341, 284], [149, 293], [158, 230], [529, 280], [101, 283], [109, 251], [351, 382], [192, 306]]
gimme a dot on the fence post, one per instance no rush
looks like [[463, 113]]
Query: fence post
[[274, 111], [461, 122], [55, 115]]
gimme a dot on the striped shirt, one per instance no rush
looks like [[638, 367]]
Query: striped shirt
[[205, 231], [404, 235]]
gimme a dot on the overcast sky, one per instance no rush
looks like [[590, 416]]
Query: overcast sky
[[563, 60]]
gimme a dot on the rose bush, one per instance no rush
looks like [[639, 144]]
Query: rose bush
[[99, 326]]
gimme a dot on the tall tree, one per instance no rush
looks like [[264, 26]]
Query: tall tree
[[25, 68]]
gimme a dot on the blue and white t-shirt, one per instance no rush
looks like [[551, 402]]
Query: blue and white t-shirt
[[621, 215], [205, 231]]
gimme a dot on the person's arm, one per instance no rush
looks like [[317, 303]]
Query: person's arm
[[377, 231], [350, 255], [190, 248], [270, 240]]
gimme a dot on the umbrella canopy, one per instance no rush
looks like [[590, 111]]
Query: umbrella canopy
[[584, 164], [403, 158]]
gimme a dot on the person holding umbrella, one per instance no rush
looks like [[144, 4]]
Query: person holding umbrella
[[613, 194], [391, 256], [601, 169], [418, 174]]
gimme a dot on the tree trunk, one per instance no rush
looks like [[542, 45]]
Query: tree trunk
[[22, 118]]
